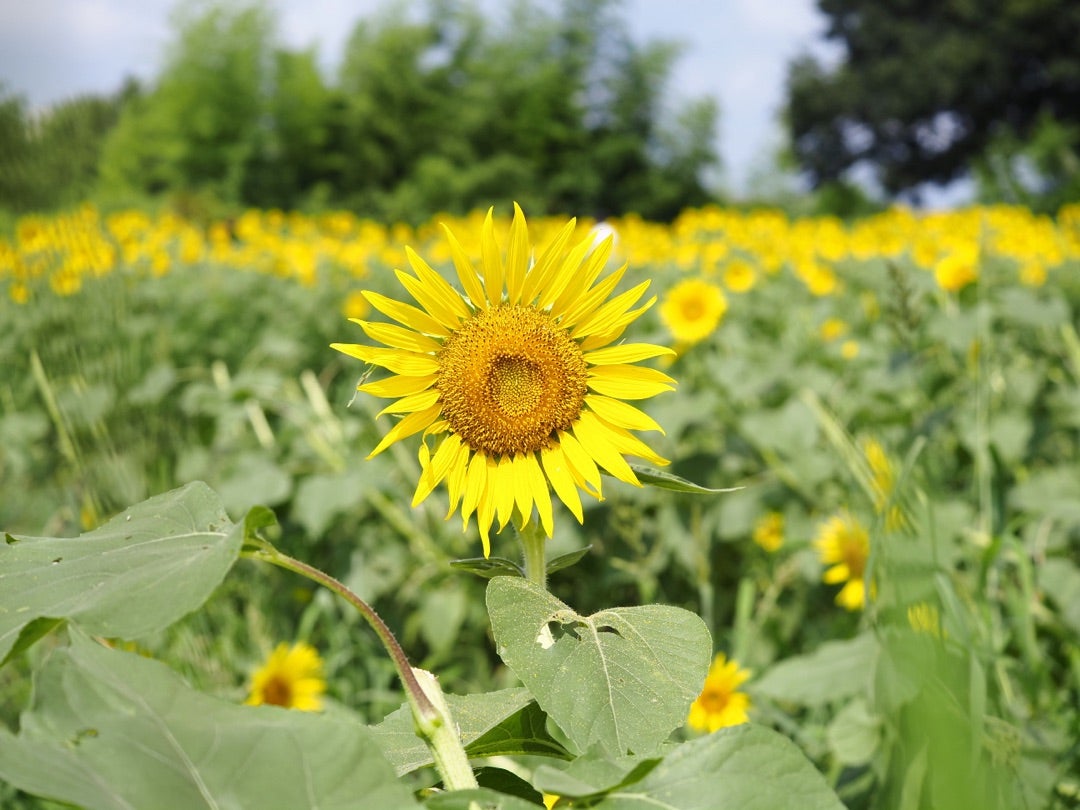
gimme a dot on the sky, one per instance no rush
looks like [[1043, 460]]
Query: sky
[[733, 50]]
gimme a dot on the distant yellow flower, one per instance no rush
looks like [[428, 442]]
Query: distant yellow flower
[[957, 270], [19, 292], [849, 349], [739, 276], [292, 678], [517, 380], [1033, 274], [882, 481], [832, 328], [769, 531], [844, 544], [720, 703], [925, 618], [692, 310], [356, 305]]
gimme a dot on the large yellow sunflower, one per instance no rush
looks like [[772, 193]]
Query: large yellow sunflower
[[516, 382]]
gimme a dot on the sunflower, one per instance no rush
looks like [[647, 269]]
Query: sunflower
[[844, 544], [517, 383], [692, 310], [720, 703], [292, 678]]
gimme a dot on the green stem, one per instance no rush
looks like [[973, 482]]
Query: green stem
[[431, 715], [532, 539]]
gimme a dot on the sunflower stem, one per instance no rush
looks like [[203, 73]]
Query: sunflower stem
[[431, 715], [533, 539]]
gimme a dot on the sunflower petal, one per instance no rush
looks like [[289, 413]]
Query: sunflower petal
[[398, 361], [412, 403], [437, 285], [538, 485], [597, 441], [580, 281], [588, 303], [517, 256], [558, 472], [538, 277], [413, 423], [629, 382], [504, 491], [626, 353], [438, 468], [475, 479], [562, 277], [579, 459], [493, 267], [606, 316], [466, 273], [455, 479], [606, 336], [399, 338], [428, 300], [523, 494], [405, 314], [621, 414], [397, 386]]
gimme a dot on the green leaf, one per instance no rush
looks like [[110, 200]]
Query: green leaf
[[564, 561], [488, 567], [524, 732], [30, 634], [479, 799], [854, 734], [666, 480], [489, 724], [1061, 581], [735, 768], [621, 678], [138, 573], [834, 671], [112, 730]]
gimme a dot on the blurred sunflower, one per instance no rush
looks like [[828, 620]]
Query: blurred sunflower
[[516, 381], [292, 678], [844, 544], [769, 531], [692, 310], [720, 703]]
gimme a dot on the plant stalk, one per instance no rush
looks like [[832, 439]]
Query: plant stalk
[[533, 539]]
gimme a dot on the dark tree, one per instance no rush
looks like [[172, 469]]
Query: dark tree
[[925, 87]]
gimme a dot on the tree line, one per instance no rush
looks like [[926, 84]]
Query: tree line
[[433, 108]]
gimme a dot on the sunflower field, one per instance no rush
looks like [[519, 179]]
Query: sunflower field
[[799, 526]]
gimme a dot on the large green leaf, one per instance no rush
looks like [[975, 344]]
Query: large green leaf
[[489, 724], [479, 799], [621, 678], [834, 671], [138, 573], [741, 768], [113, 730]]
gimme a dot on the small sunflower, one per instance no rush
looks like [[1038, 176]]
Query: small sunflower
[[516, 382], [720, 703], [844, 544], [692, 310], [769, 531], [292, 678]]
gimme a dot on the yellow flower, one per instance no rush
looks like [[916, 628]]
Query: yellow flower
[[740, 276], [769, 531], [516, 381], [883, 481], [720, 703], [356, 305], [292, 677], [845, 545], [849, 349], [832, 328], [550, 799], [956, 270], [692, 310], [925, 618]]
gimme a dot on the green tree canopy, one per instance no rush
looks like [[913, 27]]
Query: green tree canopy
[[436, 109], [924, 87]]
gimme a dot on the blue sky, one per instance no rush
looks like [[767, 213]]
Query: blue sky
[[734, 50]]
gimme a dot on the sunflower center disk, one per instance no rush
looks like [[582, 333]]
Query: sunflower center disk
[[509, 378]]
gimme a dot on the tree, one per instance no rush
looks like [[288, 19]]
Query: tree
[[925, 86]]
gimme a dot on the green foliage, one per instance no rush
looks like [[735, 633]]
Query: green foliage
[[51, 159], [924, 89], [621, 679], [439, 111]]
